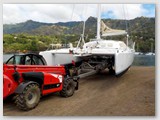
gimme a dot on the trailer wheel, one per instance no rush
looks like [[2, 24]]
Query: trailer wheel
[[68, 88], [29, 98], [111, 71]]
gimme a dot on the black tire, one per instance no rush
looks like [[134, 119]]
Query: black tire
[[111, 72], [68, 88], [29, 98]]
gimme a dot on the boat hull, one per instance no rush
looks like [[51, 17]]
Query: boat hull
[[123, 61], [59, 57]]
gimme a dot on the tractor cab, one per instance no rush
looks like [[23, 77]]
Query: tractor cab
[[26, 59]]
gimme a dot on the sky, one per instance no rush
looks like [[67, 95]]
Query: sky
[[52, 13]]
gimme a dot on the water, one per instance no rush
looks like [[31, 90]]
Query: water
[[139, 60], [144, 60]]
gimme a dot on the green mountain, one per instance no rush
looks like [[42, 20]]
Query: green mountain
[[23, 27], [142, 25], [140, 29]]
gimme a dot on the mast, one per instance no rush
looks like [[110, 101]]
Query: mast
[[84, 25], [98, 21]]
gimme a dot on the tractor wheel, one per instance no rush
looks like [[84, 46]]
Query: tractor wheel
[[29, 98], [68, 88]]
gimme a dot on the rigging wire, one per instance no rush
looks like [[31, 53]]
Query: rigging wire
[[72, 12], [84, 25], [81, 40], [128, 21], [125, 18], [142, 25], [129, 25], [127, 42], [70, 19]]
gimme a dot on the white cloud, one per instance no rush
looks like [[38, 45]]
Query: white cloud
[[51, 13], [125, 11]]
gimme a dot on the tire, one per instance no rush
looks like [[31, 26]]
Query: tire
[[111, 72], [29, 98], [68, 88]]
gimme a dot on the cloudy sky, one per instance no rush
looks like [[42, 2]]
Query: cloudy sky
[[52, 13]]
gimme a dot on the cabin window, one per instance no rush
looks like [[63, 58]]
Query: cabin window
[[17, 60], [10, 61], [28, 60], [37, 60], [14, 60]]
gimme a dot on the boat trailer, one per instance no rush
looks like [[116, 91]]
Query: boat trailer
[[89, 68]]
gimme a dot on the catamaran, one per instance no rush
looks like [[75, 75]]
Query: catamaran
[[99, 53]]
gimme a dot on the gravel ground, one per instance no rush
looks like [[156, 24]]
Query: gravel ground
[[132, 94]]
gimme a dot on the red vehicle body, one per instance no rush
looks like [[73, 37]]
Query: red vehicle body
[[30, 82], [52, 75]]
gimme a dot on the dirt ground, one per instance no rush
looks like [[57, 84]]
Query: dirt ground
[[132, 94]]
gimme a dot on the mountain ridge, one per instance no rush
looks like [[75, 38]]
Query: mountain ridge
[[72, 27], [36, 36]]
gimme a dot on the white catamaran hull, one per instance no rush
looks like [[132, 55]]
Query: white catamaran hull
[[123, 61], [59, 57]]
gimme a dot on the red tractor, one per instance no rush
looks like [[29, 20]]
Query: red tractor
[[28, 78]]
